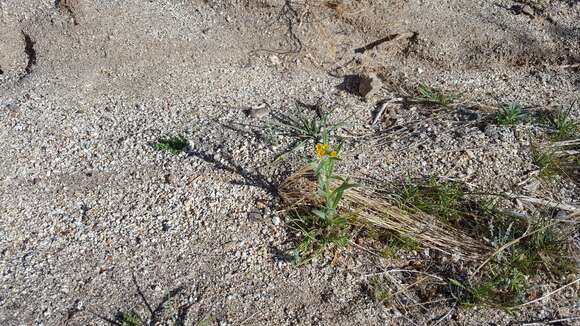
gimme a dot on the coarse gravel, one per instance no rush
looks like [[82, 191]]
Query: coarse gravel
[[93, 219]]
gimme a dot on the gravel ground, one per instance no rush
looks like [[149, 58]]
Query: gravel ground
[[93, 219]]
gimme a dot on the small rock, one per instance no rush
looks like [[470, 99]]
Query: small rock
[[369, 85], [470, 154], [254, 216], [169, 179], [165, 226], [396, 313], [562, 215], [499, 133], [275, 60], [258, 112], [79, 305], [528, 10], [276, 220], [465, 114], [229, 246], [533, 186]]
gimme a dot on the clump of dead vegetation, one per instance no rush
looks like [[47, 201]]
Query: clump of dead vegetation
[[495, 254], [480, 253]]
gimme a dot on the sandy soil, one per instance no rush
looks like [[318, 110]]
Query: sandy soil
[[93, 218]]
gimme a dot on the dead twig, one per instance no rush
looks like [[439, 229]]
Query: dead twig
[[142, 295], [544, 202], [403, 271], [382, 108], [380, 113], [248, 318], [549, 294], [576, 65], [364, 249], [555, 321], [389, 38], [445, 316], [427, 302]]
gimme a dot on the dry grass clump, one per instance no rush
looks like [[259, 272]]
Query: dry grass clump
[[497, 255], [373, 208], [511, 253]]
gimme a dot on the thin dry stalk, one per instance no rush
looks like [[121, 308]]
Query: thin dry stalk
[[565, 143], [564, 148], [550, 293], [544, 202]]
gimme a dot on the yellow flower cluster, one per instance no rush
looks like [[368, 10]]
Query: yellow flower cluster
[[324, 149]]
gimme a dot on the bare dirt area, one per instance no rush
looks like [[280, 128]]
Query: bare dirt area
[[140, 168]]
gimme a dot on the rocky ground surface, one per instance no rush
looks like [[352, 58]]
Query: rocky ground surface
[[93, 219]]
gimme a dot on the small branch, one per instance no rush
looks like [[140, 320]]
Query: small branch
[[248, 318], [394, 37], [428, 302], [445, 316], [382, 108], [563, 143], [403, 271], [564, 207], [576, 65], [555, 321], [550, 293], [379, 113]]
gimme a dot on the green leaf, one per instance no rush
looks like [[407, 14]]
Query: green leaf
[[456, 283], [319, 213]]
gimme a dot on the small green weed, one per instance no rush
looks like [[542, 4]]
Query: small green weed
[[305, 130], [435, 198], [173, 144], [324, 172], [130, 318], [501, 291], [563, 124], [380, 292], [394, 244], [323, 227], [205, 322], [544, 250], [540, 250], [510, 115], [435, 96], [547, 161], [535, 246], [318, 235]]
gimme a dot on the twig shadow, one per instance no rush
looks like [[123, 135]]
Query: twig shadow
[[254, 179], [155, 313]]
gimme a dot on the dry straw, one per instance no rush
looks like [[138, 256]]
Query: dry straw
[[300, 189]]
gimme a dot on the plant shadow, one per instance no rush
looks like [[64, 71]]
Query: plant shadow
[[250, 178]]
